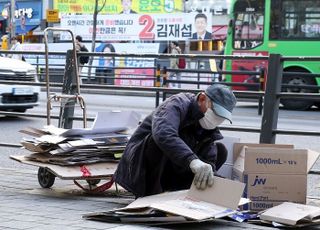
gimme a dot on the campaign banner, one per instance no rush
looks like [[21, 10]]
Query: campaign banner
[[134, 48], [136, 71], [144, 27], [134, 77], [119, 6]]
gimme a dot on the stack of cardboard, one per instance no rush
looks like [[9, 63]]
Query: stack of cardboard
[[62, 149], [104, 142]]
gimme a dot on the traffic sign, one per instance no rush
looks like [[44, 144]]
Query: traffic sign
[[53, 16]]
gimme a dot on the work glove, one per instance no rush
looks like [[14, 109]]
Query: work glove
[[203, 173]]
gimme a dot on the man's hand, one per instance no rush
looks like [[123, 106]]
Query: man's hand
[[203, 173]]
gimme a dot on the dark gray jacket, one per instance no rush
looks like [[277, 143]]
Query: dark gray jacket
[[175, 128]]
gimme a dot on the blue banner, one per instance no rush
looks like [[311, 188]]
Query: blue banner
[[28, 15]]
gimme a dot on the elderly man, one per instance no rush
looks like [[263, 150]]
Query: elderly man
[[175, 144]]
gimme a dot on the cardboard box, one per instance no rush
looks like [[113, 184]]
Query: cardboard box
[[273, 174]]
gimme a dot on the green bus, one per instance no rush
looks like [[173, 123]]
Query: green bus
[[286, 27]]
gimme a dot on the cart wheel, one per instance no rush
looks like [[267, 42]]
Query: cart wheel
[[93, 181], [45, 178]]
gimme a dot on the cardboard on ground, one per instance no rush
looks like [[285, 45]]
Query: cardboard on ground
[[97, 170], [292, 214], [214, 202]]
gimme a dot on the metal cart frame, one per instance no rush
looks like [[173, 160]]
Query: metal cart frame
[[47, 173]]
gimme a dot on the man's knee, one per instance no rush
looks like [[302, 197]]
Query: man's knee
[[222, 154]]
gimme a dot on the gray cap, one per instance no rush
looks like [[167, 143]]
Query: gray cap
[[223, 100]]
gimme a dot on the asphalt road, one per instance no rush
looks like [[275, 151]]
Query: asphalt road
[[245, 115]]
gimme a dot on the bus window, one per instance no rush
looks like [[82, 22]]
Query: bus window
[[292, 20], [248, 25]]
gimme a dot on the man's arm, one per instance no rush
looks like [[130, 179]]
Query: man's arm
[[165, 132]]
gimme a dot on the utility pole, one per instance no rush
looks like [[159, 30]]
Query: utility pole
[[12, 19], [50, 24]]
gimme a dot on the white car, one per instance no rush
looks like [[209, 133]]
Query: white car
[[17, 98]]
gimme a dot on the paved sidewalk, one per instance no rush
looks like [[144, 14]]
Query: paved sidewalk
[[24, 205]]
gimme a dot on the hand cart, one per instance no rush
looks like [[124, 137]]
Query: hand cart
[[47, 172]]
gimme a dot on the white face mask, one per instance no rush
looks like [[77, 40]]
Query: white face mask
[[210, 120]]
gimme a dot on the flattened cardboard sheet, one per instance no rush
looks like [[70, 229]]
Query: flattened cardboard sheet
[[97, 170], [292, 214], [34, 147], [214, 202], [144, 202], [33, 132], [107, 119], [141, 218]]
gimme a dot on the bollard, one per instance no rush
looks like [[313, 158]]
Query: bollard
[[4, 43], [165, 77], [210, 45], [200, 45], [219, 45], [38, 70], [158, 84], [158, 77], [261, 79], [261, 88]]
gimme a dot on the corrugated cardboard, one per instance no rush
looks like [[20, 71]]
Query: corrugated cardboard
[[268, 190], [273, 175], [214, 202], [292, 214], [272, 160], [238, 147], [96, 170]]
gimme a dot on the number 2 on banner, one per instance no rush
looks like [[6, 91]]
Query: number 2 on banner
[[146, 33]]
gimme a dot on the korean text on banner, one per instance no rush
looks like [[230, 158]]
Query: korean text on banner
[[133, 27]]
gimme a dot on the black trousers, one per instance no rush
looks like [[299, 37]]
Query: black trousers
[[164, 175]]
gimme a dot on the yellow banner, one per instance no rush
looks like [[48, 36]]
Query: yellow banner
[[119, 6]]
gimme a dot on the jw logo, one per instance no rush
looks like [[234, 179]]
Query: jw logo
[[259, 181]]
